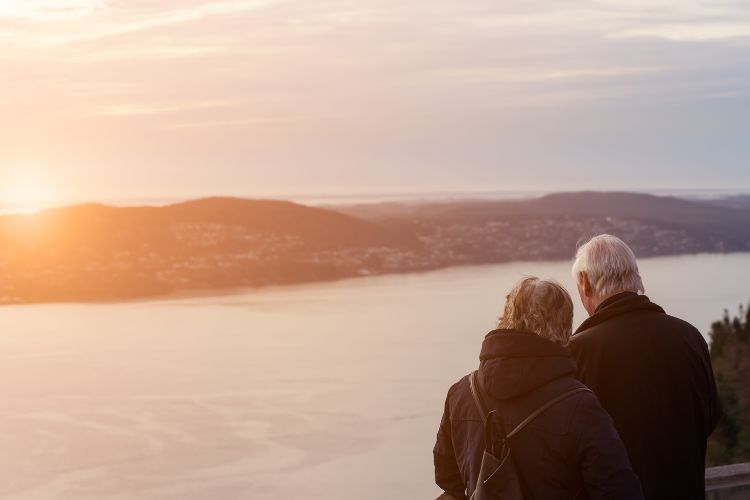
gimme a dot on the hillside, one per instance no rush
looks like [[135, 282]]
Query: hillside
[[550, 227], [98, 252], [733, 201]]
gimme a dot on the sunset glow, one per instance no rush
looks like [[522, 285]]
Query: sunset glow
[[272, 98], [25, 189], [246, 246]]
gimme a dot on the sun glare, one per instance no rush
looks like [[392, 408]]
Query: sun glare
[[25, 191]]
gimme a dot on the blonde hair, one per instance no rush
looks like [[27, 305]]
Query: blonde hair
[[541, 306]]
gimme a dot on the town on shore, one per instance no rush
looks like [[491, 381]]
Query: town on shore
[[102, 253]]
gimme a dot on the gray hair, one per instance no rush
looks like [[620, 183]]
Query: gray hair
[[541, 306], [610, 266]]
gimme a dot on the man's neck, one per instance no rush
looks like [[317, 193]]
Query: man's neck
[[599, 302]]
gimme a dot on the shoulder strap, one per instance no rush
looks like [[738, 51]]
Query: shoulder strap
[[474, 385], [546, 406], [482, 408]]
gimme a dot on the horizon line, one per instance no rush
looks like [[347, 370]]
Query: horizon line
[[343, 199]]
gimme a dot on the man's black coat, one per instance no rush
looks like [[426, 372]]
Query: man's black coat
[[652, 373], [570, 451]]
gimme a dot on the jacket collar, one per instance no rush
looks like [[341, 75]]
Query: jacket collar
[[615, 305], [502, 343], [513, 363]]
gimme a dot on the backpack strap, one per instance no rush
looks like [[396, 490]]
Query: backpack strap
[[482, 408], [487, 417], [546, 406], [478, 401]]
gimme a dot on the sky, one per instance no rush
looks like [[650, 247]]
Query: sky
[[107, 100]]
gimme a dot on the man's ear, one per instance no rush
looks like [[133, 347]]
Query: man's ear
[[585, 284]]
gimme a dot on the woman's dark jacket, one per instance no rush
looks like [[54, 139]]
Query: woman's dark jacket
[[571, 451], [652, 373]]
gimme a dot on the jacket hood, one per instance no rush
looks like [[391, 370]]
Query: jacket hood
[[513, 363], [619, 304]]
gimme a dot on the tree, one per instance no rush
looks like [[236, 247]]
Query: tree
[[730, 355]]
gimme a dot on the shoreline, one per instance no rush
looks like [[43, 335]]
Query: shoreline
[[199, 293]]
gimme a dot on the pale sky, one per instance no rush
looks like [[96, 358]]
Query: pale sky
[[115, 99]]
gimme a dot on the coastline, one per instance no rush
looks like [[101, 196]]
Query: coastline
[[209, 292]]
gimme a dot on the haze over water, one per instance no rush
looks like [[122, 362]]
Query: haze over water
[[322, 391]]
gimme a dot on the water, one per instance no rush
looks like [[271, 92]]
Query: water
[[325, 391]]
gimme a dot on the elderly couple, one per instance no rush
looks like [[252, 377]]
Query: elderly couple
[[641, 429]]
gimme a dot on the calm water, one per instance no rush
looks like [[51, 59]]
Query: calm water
[[330, 391]]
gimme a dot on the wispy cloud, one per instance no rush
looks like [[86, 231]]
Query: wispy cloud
[[335, 90], [544, 74], [195, 13], [238, 122], [110, 22], [140, 109], [157, 51], [695, 32], [46, 11]]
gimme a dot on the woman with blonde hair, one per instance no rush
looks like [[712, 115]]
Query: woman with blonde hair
[[563, 445]]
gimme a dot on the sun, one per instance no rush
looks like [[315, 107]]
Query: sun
[[25, 190]]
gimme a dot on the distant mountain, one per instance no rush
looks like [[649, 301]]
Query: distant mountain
[[97, 252], [672, 212], [572, 205], [551, 226], [733, 201]]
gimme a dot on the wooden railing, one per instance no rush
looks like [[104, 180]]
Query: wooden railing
[[728, 482]]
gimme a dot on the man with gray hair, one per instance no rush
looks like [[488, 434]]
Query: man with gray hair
[[651, 371], [570, 449]]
